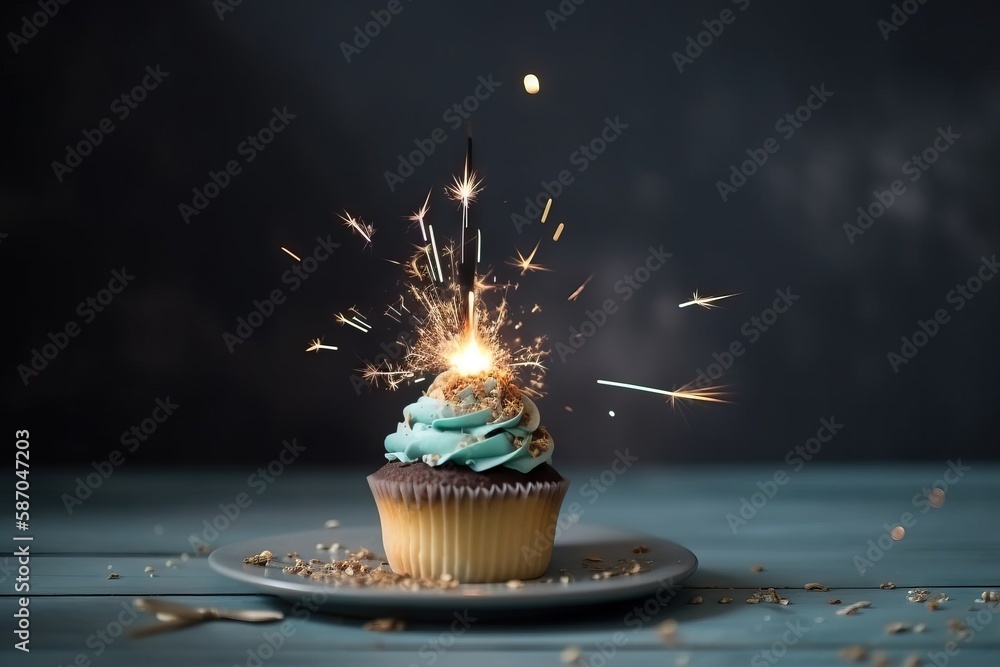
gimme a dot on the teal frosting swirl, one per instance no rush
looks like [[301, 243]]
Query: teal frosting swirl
[[433, 432]]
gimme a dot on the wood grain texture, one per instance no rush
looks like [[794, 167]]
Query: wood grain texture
[[810, 530]]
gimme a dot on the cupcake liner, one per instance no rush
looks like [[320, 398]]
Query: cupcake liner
[[488, 534]]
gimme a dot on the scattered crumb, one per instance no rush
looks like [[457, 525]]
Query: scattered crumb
[[813, 586], [697, 599], [766, 595], [262, 559], [757, 568], [515, 583], [852, 609], [854, 653], [887, 586], [385, 625], [897, 627], [148, 569], [331, 523], [446, 577], [568, 409], [682, 659], [323, 547], [917, 595], [185, 556], [667, 630], [565, 578], [170, 563], [725, 600], [592, 563], [570, 655], [640, 549], [833, 601], [920, 627], [151, 575], [990, 596], [880, 659], [114, 575], [933, 604], [912, 660], [110, 568], [204, 549], [958, 627]]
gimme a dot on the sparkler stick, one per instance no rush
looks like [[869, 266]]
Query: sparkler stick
[[290, 252]]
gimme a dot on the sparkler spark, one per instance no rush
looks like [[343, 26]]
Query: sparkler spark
[[708, 394], [705, 301], [315, 345], [559, 230], [574, 295], [355, 321], [358, 225], [545, 213], [524, 263], [418, 216], [465, 189], [290, 253]]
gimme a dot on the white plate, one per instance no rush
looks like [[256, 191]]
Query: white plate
[[671, 564]]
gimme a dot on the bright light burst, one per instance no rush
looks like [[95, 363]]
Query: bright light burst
[[418, 216], [525, 263], [705, 302], [708, 394], [465, 189], [358, 225]]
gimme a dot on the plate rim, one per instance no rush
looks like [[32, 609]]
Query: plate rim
[[679, 566]]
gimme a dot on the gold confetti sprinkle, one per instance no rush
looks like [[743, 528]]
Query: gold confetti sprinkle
[[545, 213], [559, 231]]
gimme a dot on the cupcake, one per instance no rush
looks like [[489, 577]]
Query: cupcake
[[468, 490]]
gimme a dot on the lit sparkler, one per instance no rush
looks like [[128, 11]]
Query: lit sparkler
[[357, 320], [708, 394], [705, 302], [418, 216]]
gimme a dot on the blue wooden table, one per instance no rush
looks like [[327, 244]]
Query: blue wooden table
[[750, 528]]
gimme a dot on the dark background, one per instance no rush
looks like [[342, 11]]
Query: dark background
[[825, 357]]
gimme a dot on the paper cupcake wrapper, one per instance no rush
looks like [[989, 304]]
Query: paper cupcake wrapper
[[475, 535]]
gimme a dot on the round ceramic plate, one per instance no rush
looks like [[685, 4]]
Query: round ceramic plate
[[665, 564]]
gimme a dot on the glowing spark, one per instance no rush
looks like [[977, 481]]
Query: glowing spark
[[358, 225], [611, 413], [524, 263], [352, 321], [419, 380], [290, 253], [536, 309], [555, 237], [418, 216], [572, 297], [479, 246], [705, 301], [437, 257], [545, 213], [315, 345], [708, 394], [464, 190]]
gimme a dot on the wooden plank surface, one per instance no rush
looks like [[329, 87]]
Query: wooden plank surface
[[811, 529]]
